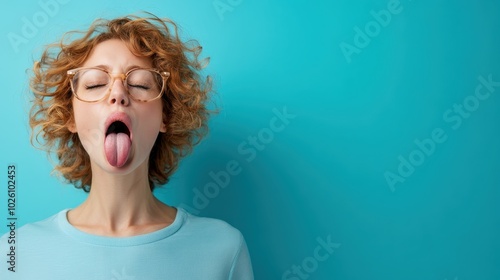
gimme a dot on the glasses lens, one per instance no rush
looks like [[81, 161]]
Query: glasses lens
[[90, 84], [144, 84]]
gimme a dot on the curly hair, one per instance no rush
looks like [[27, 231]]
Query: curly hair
[[184, 101]]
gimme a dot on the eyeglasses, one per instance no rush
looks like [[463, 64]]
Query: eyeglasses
[[91, 84]]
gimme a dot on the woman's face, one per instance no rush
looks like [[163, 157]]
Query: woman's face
[[117, 132]]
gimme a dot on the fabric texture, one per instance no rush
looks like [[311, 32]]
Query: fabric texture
[[190, 248]]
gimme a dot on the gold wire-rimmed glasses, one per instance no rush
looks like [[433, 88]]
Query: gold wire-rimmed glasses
[[93, 84]]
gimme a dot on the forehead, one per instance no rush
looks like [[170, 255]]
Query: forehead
[[116, 55]]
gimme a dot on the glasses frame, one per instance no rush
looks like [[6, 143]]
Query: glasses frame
[[122, 76]]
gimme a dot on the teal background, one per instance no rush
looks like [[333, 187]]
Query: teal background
[[323, 175]]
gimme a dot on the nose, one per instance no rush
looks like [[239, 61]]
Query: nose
[[118, 91]]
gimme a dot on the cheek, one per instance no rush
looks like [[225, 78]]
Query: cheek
[[92, 140], [149, 123], [80, 113], [153, 116], [86, 125], [153, 122]]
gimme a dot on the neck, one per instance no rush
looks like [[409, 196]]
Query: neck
[[121, 205]]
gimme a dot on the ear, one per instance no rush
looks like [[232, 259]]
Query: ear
[[71, 126], [163, 127]]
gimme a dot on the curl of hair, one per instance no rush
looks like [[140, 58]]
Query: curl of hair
[[184, 100]]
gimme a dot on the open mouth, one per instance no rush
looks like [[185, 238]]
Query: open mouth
[[118, 127], [118, 139]]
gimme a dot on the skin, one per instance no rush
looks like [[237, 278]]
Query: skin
[[120, 202]]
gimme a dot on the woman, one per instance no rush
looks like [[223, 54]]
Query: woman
[[122, 103]]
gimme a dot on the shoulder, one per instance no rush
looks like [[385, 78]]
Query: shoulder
[[225, 244], [45, 226], [211, 229], [35, 231]]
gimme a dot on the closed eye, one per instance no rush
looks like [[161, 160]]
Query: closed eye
[[144, 87], [96, 86]]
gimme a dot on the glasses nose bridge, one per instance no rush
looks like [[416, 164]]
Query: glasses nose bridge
[[115, 76]]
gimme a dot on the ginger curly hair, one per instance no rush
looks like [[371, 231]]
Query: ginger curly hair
[[184, 101]]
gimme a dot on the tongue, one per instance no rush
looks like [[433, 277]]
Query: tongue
[[117, 148]]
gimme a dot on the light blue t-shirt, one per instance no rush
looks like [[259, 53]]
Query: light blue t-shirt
[[190, 248]]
